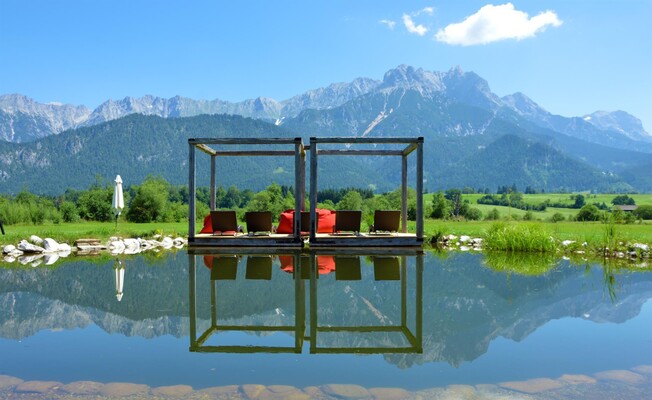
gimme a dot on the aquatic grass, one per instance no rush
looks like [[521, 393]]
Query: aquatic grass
[[519, 237], [521, 263]]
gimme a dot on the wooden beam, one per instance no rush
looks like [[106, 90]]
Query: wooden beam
[[357, 140], [196, 141], [255, 153], [409, 149], [361, 152], [206, 149]]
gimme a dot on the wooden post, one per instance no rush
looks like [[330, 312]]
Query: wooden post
[[404, 193], [212, 183], [192, 283], [313, 189], [191, 193], [297, 189], [420, 188], [419, 305]]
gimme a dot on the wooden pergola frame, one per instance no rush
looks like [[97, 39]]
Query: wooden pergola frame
[[204, 144], [412, 144]]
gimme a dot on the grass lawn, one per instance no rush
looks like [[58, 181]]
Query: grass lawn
[[591, 232], [69, 232]]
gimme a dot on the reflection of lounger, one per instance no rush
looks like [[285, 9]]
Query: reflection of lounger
[[224, 223], [386, 221], [387, 269], [259, 222], [347, 268], [224, 267], [259, 267], [347, 221]]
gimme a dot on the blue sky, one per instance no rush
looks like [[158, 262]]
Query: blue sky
[[571, 57]]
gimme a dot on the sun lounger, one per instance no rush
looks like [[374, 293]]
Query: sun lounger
[[224, 223], [259, 222], [347, 221], [386, 221]]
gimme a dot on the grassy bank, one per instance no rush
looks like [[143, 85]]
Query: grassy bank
[[69, 232]]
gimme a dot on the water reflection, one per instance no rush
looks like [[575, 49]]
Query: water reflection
[[431, 320], [328, 329]]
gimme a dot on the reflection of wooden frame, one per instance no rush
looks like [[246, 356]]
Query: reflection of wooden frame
[[402, 238], [413, 338], [256, 262], [299, 273]]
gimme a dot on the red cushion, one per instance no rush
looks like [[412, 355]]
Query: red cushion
[[325, 221], [208, 225], [285, 222]]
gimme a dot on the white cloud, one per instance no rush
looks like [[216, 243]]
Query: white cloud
[[390, 24], [493, 23], [427, 10], [412, 27]]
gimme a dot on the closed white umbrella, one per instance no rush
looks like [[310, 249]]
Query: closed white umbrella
[[119, 279], [118, 198]]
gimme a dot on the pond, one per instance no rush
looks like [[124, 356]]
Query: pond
[[320, 325]]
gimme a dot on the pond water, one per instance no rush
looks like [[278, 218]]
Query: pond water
[[318, 322]]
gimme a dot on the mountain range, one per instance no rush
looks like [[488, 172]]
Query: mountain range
[[472, 136]]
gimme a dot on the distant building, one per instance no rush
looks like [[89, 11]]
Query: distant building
[[626, 208]]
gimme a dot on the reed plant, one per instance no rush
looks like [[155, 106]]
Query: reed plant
[[519, 237]]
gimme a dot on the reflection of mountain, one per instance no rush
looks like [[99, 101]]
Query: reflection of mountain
[[465, 304]]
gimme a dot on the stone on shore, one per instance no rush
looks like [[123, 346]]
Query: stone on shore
[[36, 240], [27, 247]]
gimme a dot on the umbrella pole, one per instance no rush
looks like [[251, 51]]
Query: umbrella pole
[[116, 222]]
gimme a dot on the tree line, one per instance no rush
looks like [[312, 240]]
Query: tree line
[[156, 200]]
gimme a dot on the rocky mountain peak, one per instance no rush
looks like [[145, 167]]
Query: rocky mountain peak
[[407, 77], [523, 105], [619, 121]]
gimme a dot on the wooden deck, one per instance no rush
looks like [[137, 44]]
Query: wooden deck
[[322, 240], [244, 240]]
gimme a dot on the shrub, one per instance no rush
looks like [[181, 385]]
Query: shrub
[[557, 217], [588, 213], [643, 212], [69, 211], [473, 214], [493, 215]]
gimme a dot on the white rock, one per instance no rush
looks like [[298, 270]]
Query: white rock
[[116, 244], [50, 245], [167, 242], [36, 240], [641, 246], [465, 238], [51, 258], [131, 244], [64, 248], [64, 253], [464, 248], [29, 248], [29, 259], [9, 259], [565, 243], [8, 249]]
